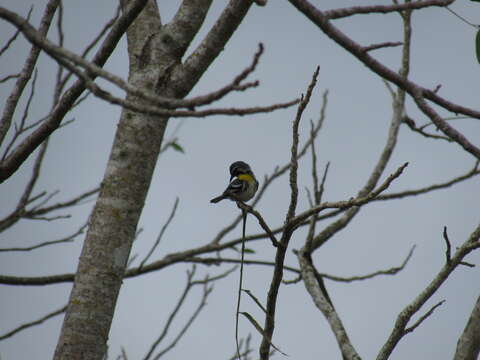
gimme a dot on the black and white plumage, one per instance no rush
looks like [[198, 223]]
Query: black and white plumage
[[239, 167], [243, 184]]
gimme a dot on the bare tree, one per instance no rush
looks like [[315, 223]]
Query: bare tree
[[161, 75]]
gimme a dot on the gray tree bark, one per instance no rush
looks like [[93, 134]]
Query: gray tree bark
[[155, 53], [468, 346]]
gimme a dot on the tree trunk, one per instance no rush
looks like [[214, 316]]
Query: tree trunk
[[155, 54]]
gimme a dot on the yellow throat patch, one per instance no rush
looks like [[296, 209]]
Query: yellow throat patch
[[246, 177]]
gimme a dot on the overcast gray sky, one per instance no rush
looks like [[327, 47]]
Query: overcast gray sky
[[358, 116]]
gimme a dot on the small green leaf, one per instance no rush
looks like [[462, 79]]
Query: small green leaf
[[177, 147], [247, 250], [475, 0], [477, 46]]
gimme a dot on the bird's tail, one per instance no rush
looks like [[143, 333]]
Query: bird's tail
[[217, 199]]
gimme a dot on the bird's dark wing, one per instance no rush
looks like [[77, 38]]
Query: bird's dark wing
[[236, 186]]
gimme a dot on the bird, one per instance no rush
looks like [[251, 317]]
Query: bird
[[243, 184]]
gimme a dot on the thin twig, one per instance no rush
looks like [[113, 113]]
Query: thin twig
[[420, 130], [69, 238], [207, 289], [391, 271], [33, 323], [423, 317], [462, 18], [171, 259], [261, 221], [28, 145], [15, 35], [67, 58], [21, 128], [173, 313], [26, 198], [288, 231], [358, 201], [406, 314], [36, 211], [203, 302], [61, 36], [325, 306], [244, 343], [92, 44], [402, 194], [78, 200], [382, 45], [449, 247], [162, 231], [397, 110], [9, 77], [418, 93], [26, 72], [382, 9]]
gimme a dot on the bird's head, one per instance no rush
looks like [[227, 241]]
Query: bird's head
[[238, 168]]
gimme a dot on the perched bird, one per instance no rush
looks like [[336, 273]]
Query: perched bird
[[243, 184]]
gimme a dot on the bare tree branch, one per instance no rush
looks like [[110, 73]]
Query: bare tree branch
[[14, 36], [25, 198], [418, 93], [288, 231], [353, 202], [324, 305], [26, 72], [68, 58], [261, 221], [9, 77], [68, 238], [77, 200], [406, 314], [383, 9], [174, 258], [411, 124], [162, 231], [196, 64], [448, 253], [234, 85], [317, 190], [22, 127], [36, 281], [397, 109], [399, 195], [423, 318], [243, 344], [462, 18], [33, 323], [27, 146], [63, 81], [207, 289], [382, 45], [391, 271], [209, 48], [173, 314], [37, 212]]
